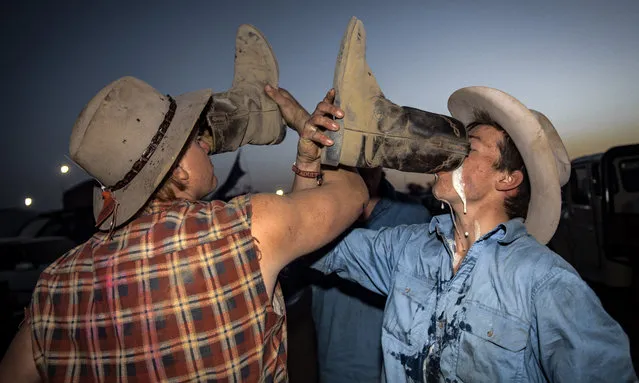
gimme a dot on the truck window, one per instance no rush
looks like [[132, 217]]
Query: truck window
[[596, 179], [581, 187], [629, 172]]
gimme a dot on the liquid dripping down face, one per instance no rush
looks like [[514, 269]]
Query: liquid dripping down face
[[458, 185], [475, 179]]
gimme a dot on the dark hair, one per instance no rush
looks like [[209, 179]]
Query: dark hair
[[509, 160]]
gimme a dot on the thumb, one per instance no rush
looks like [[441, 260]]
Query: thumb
[[275, 94], [270, 91]]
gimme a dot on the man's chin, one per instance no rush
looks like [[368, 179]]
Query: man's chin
[[440, 181], [441, 198]]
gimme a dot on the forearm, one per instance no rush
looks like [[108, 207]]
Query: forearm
[[323, 212], [311, 130], [367, 257], [303, 183], [305, 220]]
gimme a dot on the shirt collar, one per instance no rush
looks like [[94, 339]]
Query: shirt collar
[[504, 233], [155, 206]]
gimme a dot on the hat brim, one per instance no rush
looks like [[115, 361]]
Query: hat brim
[[526, 132], [135, 195], [558, 148]]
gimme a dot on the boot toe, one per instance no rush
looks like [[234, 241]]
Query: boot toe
[[254, 58]]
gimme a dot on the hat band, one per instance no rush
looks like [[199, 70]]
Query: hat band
[[148, 152]]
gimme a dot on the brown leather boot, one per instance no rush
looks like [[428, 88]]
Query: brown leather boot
[[245, 114], [376, 132]]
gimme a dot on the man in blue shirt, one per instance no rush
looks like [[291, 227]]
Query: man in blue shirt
[[348, 318], [476, 296]]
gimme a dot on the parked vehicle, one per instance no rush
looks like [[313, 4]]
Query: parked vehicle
[[40, 241], [599, 228], [12, 219]]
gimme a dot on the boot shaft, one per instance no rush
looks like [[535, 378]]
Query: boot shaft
[[245, 114], [418, 141], [239, 117], [376, 132], [405, 139]]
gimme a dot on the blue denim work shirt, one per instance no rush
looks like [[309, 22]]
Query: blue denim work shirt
[[514, 311], [348, 322]]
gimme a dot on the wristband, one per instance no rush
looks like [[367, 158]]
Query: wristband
[[318, 176]]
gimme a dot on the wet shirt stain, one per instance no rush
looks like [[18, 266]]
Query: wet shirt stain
[[446, 324]]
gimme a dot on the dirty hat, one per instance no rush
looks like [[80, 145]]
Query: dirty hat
[[128, 137], [539, 144]]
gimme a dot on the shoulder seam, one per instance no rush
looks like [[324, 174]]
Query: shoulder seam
[[539, 285]]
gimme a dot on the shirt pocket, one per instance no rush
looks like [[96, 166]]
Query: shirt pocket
[[409, 303], [491, 346]]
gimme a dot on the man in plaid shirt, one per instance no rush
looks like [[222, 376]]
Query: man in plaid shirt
[[173, 288]]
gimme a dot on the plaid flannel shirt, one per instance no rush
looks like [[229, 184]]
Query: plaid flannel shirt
[[176, 295]]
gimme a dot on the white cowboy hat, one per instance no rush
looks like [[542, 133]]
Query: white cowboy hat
[[539, 144], [128, 137]]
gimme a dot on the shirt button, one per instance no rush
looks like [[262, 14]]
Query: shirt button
[[407, 290], [441, 324], [489, 333]]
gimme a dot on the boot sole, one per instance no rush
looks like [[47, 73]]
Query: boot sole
[[331, 154]]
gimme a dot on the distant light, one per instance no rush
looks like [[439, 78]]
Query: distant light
[[64, 169], [279, 192], [28, 201]]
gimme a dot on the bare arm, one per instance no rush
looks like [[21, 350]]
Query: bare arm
[[303, 221], [310, 128], [18, 365], [308, 151], [310, 216]]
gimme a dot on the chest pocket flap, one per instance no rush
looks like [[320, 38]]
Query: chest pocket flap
[[500, 329], [408, 308], [418, 289]]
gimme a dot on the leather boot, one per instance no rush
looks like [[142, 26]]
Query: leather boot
[[245, 114], [376, 132]]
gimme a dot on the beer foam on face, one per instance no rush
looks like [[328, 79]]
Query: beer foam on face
[[458, 185]]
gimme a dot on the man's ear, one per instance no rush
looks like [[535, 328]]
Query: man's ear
[[180, 175], [509, 181]]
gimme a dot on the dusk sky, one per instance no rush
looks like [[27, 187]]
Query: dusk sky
[[576, 61]]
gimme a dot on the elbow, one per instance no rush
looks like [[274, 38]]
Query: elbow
[[350, 190]]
